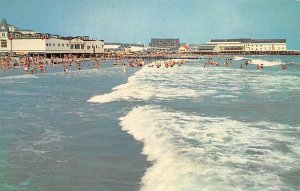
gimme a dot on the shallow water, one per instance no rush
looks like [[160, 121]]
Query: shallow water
[[52, 139], [180, 128], [216, 128]]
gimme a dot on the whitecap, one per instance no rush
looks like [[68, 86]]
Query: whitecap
[[266, 62], [152, 83], [191, 152], [238, 58], [20, 77]]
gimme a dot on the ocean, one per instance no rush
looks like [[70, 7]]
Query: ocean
[[182, 128]]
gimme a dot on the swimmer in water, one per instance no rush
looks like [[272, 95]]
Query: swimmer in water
[[124, 67], [26, 69], [65, 69], [257, 67]]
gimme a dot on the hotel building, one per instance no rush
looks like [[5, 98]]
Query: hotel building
[[14, 40], [165, 43], [247, 45]]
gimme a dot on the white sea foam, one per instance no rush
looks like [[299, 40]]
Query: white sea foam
[[153, 83], [191, 152], [35, 146], [192, 81], [238, 58], [260, 61], [265, 62], [49, 136], [20, 77]]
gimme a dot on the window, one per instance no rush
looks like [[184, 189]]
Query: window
[[72, 46], [77, 46], [67, 44], [58, 44], [49, 44], [3, 43], [46, 44], [3, 34], [82, 46], [53, 44], [62, 44], [88, 47]]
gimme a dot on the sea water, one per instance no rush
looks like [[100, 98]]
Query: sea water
[[52, 139], [185, 127]]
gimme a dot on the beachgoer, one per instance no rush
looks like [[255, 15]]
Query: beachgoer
[[26, 69], [65, 69], [131, 63], [257, 67]]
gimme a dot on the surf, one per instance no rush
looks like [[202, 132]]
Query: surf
[[193, 152]]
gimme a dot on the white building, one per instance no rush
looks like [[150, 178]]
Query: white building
[[134, 48], [184, 48], [111, 47], [94, 46], [249, 45], [27, 41]]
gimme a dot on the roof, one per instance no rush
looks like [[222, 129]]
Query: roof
[[25, 30], [124, 45], [249, 40], [3, 30], [112, 43], [185, 46], [242, 40], [268, 41], [177, 39], [3, 22]]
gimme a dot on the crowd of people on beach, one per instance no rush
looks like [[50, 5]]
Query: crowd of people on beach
[[139, 62], [77, 61], [32, 64]]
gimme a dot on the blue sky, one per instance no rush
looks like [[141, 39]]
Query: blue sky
[[193, 21]]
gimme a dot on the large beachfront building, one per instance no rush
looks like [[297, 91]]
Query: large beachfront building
[[165, 43], [245, 45], [14, 40]]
